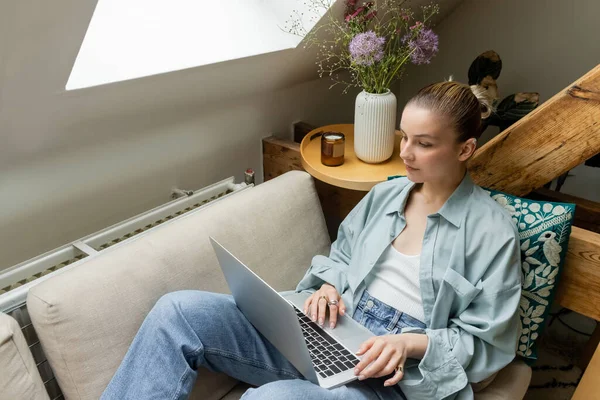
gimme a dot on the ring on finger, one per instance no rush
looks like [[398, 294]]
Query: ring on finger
[[399, 368], [333, 302], [324, 298]]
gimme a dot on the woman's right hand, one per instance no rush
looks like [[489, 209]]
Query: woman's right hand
[[317, 304]]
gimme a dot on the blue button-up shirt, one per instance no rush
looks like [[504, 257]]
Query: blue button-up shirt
[[469, 275]]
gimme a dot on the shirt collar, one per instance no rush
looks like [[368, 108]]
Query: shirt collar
[[453, 209], [399, 201]]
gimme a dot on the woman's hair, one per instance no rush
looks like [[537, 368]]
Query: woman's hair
[[463, 105]]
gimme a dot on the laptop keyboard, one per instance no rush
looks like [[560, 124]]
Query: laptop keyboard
[[328, 356]]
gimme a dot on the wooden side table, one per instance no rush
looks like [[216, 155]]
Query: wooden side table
[[353, 174]]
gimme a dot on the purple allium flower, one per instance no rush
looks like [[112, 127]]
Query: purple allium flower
[[423, 47], [366, 48]]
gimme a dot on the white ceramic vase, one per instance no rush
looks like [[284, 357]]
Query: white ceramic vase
[[374, 126]]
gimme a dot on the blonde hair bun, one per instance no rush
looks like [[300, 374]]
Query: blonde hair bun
[[484, 100]]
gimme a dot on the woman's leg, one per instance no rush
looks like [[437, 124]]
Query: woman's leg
[[189, 329], [296, 389]]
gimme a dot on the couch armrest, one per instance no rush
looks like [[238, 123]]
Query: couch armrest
[[19, 378]]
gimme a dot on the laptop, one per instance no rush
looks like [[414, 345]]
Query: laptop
[[325, 356]]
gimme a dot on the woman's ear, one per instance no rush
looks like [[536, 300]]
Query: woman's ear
[[467, 149]]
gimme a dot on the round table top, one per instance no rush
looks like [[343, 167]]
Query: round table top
[[354, 173]]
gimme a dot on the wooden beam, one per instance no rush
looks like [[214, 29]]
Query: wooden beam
[[579, 284], [587, 212], [554, 138]]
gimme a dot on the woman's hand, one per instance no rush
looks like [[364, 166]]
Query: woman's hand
[[386, 355], [326, 297]]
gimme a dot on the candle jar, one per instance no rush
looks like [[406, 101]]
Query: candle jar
[[332, 148]]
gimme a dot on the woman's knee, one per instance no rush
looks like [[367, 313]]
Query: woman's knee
[[190, 304]]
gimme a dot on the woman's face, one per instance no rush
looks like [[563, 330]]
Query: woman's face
[[429, 147]]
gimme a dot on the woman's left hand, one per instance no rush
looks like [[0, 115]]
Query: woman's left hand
[[385, 354]]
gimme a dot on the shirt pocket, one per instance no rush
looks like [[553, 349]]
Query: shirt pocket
[[464, 291]]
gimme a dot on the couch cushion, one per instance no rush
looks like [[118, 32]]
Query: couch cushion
[[479, 386], [87, 317], [237, 392], [19, 378], [511, 383]]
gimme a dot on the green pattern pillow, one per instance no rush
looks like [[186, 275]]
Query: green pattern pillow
[[544, 230]]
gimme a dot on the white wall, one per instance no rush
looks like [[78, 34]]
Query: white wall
[[545, 45], [107, 170]]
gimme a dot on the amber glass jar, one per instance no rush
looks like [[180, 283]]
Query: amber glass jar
[[332, 148]]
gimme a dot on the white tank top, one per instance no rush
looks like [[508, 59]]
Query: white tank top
[[394, 280]]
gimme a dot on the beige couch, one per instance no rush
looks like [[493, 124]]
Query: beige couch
[[87, 317]]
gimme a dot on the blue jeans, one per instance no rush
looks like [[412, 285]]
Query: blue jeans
[[191, 329]]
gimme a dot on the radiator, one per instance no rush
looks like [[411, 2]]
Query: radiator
[[16, 281]]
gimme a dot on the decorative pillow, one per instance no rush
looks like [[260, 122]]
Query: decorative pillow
[[544, 230]]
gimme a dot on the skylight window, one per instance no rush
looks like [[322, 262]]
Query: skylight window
[[129, 39]]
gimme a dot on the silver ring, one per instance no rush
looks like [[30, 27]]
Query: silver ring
[[333, 302]]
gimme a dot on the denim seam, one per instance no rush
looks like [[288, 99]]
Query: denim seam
[[394, 320], [193, 352], [380, 315], [180, 385], [185, 355], [363, 318], [251, 362], [242, 359]]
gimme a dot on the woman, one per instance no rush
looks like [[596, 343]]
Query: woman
[[429, 263]]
